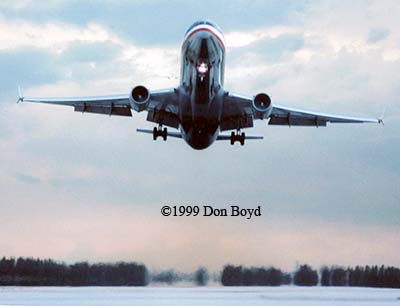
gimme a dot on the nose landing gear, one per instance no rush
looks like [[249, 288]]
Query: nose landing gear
[[160, 132], [238, 136]]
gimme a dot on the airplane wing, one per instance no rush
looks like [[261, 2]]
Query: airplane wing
[[107, 105], [282, 115], [162, 107], [238, 113]]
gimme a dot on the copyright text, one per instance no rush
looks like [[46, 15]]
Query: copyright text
[[208, 211]]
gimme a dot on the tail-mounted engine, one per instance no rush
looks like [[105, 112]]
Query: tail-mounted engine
[[262, 106], [139, 98]]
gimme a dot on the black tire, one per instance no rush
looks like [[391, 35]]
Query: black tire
[[155, 133], [164, 134], [242, 138], [233, 138]]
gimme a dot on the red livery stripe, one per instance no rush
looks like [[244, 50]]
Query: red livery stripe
[[204, 29]]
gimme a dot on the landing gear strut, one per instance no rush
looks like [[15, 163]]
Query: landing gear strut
[[160, 132], [238, 136]]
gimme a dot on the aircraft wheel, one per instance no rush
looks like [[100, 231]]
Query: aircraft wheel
[[164, 134], [155, 133], [242, 138], [233, 138]]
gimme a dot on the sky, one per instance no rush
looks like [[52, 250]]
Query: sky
[[88, 187]]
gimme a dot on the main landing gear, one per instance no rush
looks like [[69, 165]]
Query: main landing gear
[[160, 132], [238, 136]]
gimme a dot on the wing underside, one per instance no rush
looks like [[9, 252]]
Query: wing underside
[[282, 115], [238, 114], [162, 107], [108, 105]]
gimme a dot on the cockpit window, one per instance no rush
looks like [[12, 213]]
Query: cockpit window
[[206, 22]]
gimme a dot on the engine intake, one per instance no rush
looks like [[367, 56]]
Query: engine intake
[[262, 106], [139, 98]]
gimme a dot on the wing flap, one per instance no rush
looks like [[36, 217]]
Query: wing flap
[[296, 121], [163, 108], [163, 117], [104, 109], [236, 113]]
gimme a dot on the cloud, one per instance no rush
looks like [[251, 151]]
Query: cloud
[[323, 49], [15, 5], [28, 179], [33, 54], [31, 66], [242, 38], [268, 50], [131, 19], [53, 36], [81, 52], [377, 34], [346, 25]]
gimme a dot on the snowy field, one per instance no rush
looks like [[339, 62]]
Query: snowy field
[[150, 296]]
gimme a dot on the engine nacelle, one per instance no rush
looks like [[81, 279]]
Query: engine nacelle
[[139, 98], [262, 106]]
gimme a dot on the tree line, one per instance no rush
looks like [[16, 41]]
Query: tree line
[[242, 276], [384, 277], [47, 272], [39, 272], [374, 276]]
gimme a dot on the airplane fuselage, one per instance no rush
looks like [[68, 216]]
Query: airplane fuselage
[[201, 84]]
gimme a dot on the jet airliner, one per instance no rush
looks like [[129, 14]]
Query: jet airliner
[[199, 108]]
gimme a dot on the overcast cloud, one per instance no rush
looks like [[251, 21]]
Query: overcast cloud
[[88, 187]]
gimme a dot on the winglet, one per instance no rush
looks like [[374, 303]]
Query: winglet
[[380, 119], [20, 95]]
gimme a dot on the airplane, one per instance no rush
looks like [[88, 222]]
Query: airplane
[[199, 107]]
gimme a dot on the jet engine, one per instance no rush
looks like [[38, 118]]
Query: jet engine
[[262, 106], [139, 98]]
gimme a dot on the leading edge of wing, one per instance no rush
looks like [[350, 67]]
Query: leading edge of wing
[[122, 99], [279, 110], [72, 101]]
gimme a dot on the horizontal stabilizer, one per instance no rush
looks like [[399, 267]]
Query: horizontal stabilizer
[[170, 134], [228, 137]]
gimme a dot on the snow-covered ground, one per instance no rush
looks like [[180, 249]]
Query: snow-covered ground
[[221, 296]]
